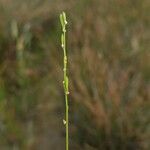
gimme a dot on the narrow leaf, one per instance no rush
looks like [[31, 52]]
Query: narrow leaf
[[64, 16], [67, 83]]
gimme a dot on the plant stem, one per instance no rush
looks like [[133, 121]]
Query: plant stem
[[65, 80]]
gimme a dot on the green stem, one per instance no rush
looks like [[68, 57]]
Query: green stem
[[65, 81], [67, 124]]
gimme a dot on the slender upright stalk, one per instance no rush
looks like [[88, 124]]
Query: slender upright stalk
[[65, 80]]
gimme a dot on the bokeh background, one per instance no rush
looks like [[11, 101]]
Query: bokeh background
[[109, 70]]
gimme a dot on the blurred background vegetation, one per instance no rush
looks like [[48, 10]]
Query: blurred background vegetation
[[109, 62]]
